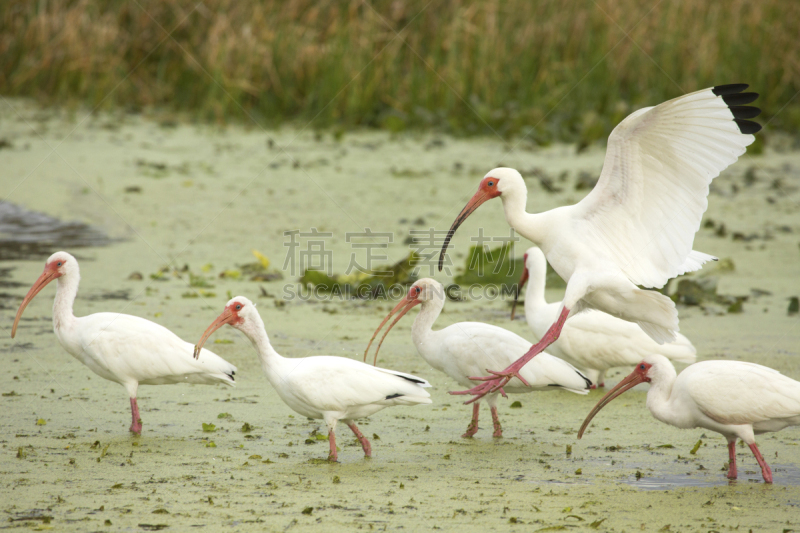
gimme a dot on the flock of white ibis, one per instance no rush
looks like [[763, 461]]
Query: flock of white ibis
[[634, 231]]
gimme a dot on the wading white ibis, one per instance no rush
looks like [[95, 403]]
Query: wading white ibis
[[467, 348], [637, 226], [734, 398], [593, 341], [323, 387], [126, 349]]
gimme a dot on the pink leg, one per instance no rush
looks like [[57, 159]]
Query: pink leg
[[472, 428], [498, 380], [593, 386], [332, 457], [732, 459], [601, 385], [362, 439], [765, 471], [498, 429], [136, 420]]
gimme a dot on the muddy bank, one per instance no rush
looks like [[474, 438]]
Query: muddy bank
[[199, 200]]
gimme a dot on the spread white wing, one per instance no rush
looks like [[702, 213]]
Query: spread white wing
[[647, 205]]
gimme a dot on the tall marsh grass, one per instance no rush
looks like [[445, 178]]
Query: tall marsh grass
[[549, 68]]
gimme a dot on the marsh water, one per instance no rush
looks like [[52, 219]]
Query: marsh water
[[178, 209]]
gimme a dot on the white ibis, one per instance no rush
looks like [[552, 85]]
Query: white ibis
[[323, 387], [126, 349], [467, 348], [636, 227], [592, 340], [734, 398]]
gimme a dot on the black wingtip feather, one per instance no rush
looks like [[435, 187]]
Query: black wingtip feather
[[736, 101], [739, 99], [733, 88], [393, 396], [411, 379], [744, 111], [747, 126]]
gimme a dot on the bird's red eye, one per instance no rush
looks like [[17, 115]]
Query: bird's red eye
[[490, 183], [418, 290], [642, 367], [238, 307]]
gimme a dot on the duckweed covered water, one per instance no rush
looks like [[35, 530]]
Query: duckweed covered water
[[206, 199]]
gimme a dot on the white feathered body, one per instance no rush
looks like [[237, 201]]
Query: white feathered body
[[130, 350], [637, 226], [592, 340], [734, 398], [469, 348], [324, 386]]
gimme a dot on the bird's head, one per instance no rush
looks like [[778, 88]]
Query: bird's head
[[57, 265], [651, 367], [496, 183], [423, 290], [239, 312]]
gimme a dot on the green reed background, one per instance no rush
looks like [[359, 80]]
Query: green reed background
[[549, 69]]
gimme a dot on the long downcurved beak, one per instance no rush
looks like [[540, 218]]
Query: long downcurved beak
[[626, 384], [404, 307], [521, 284], [475, 202], [227, 317], [46, 277]]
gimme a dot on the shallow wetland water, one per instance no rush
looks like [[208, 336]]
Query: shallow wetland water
[[206, 198]]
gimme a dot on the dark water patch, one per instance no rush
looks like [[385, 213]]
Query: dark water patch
[[110, 295], [8, 301], [18, 347], [782, 475], [28, 234], [5, 273]]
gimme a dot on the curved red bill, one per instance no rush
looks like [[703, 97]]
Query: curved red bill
[[227, 317], [475, 202], [46, 277], [404, 306], [626, 384], [520, 284]]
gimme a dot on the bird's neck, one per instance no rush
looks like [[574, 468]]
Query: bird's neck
[[534, 294], [658, 401], [526, 224], [269, 358], [66, 291], [423, 324]]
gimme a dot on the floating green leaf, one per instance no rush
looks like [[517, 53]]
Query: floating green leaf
[[209, 428], [364, 285], [696, 447], [596, 524]]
